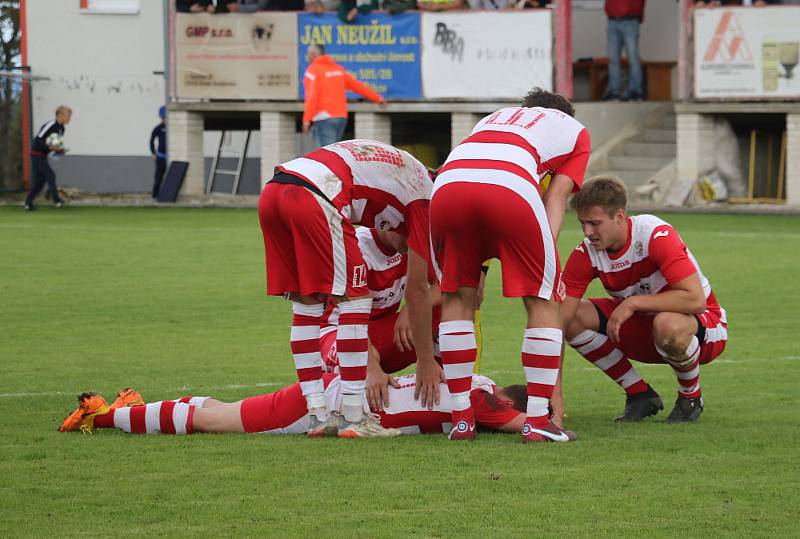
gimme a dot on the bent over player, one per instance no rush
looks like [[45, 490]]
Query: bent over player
[[286, 411], [307, 212], [487, 204], [661, 309]]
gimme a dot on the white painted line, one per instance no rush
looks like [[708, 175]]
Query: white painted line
[[182, 390]]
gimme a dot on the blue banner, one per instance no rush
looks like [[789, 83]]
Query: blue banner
[[380, 50]]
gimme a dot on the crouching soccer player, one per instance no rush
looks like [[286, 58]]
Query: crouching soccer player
[[286, 411], [661, 309]]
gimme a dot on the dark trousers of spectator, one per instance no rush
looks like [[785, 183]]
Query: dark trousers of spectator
[[328, 131], [161, 167], [42, 173]]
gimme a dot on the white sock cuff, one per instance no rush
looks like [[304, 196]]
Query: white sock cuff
[[457, 326], [537, 406], [302, 309], [584, 337], [553, 334], [358, 306]]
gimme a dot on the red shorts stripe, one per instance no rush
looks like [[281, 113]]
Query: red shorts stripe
[[167, 424], [185, 400]]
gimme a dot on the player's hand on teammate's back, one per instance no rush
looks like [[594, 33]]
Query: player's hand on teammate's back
[[378, 383], [429, 375], [623, 311], [403, 336]]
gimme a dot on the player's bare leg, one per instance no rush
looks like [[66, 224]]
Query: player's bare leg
[[216, 416], [676, 340], [307, 312], [542, 347], [458, 348], [583, 334]]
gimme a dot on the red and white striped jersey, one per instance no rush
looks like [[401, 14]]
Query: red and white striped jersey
[[386, 272], [386, 279], [289, 415], [373, 184], [653, 258], [518, 142]]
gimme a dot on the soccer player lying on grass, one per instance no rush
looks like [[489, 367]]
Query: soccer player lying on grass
[[286, 411], [661, 309]]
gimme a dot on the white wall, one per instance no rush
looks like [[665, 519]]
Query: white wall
[[102, 66], [658, 38]]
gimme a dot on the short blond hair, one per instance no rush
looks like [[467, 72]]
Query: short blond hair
[[607, 192], [63, 109]]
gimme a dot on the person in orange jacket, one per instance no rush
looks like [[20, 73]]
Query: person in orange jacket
[[326, 84]]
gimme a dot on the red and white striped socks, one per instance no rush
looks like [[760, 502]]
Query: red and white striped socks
[[304, 339], [541, 359], [458, 348], [687, 369], [600, 351], [352, 349], [162, 417]]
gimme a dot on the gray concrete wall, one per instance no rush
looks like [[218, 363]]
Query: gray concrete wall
[[105, 174]]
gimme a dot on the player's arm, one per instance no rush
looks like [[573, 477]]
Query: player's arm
[[418, 303], [514, 425], [354, 85], [555, 202], [403, 336], [377, 381], [153, 137]]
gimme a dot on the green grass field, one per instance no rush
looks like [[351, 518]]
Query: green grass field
[[171, 302]]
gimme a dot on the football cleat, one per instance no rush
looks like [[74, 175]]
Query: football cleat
[[90, 405], [686, 410], [369, 427], [324, 429], [640, 405], [462, 430], [126, 398], [548, 433]]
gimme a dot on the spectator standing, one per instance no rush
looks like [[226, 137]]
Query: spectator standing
[[326, 83], [624, 20], [41, 147], [205, 6], [158, 149]]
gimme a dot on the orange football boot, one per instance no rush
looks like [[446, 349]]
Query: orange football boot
[[126, 398], [90, 406]]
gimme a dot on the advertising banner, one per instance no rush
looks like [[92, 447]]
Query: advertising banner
[[486, 55], [380, 50], [746, 53], [236, 56]]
